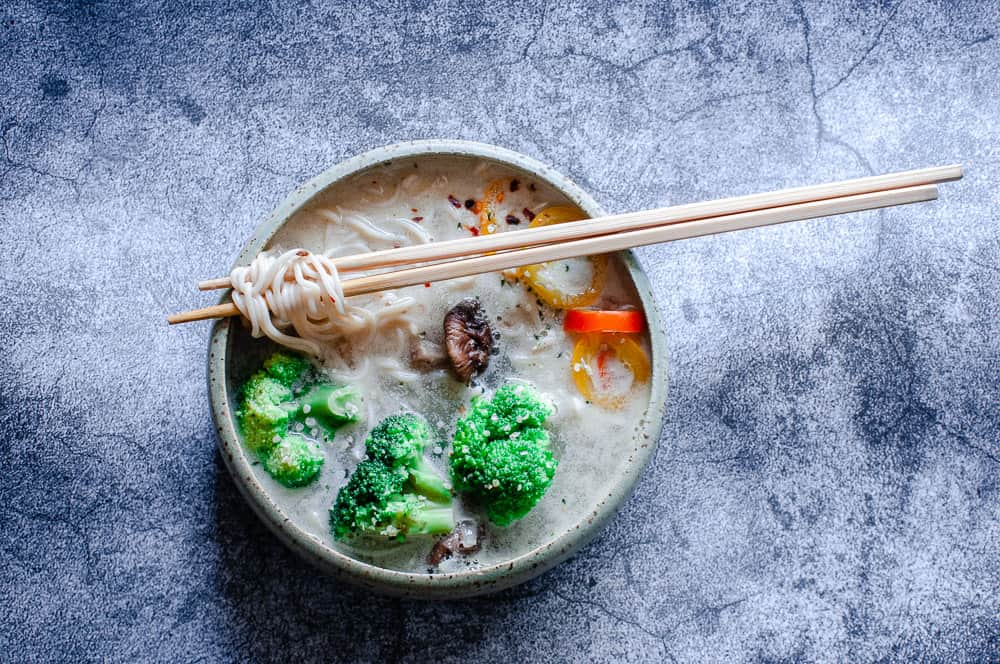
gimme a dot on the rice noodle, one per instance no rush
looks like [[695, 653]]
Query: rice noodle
[[295, 289], [301, 291]]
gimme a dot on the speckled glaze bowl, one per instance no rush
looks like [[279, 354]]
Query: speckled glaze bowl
[[229, 361]]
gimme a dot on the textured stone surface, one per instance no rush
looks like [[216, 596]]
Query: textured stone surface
[[827, 485]]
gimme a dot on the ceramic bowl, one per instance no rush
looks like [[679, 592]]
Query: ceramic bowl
[[229, 362]]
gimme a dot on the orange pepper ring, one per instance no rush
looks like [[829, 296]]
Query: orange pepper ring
[[626, 349], [558, 214]]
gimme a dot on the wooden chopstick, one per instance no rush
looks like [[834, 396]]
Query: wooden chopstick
[[460, 248], [606, 243]]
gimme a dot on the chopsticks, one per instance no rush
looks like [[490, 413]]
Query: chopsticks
[[460, 248], [629, 239], [506, 250]]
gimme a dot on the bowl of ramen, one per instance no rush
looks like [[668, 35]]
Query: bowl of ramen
[[446, 439]]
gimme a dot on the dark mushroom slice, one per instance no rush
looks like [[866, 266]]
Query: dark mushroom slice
[[466, 538], [468, 338]]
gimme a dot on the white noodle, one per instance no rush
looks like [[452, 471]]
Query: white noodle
[[300, 291], [347, 250]]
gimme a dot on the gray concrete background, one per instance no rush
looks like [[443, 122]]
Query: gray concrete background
[[827, 484]]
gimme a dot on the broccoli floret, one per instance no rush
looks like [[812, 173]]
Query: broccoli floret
[[398, 442], [394, 492], [286, 368], [514, 407], [361, 501], [374, 504], [332, 405], [500, 455], [263, 420], [294, 461], [415, 515], [268, 405]]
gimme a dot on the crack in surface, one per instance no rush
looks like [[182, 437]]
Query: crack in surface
[[876, 41], [662, 636], [823, 134]]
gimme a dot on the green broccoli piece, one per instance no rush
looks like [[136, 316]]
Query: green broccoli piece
[[375, 504], [267, 406], [332, 405], [398, 442], [286, 368], [515, 407], [294, 461], [263, 417], [263, 420], [500, 455]]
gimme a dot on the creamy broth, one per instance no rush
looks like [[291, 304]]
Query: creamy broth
[[429, 194]]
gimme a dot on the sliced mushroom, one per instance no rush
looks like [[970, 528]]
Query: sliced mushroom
[[468, 338], [466, 538]]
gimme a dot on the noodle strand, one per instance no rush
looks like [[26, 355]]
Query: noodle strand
[[301, 291]]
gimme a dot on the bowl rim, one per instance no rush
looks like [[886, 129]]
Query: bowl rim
[[436, 585]]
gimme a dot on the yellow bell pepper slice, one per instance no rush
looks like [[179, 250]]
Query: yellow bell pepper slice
[[590, 347], [532, 274]]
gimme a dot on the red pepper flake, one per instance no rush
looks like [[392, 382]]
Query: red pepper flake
[[515, 184], [602, 370], [418, 219], [472, 229], [454, 201], [469, 202], [528, 214], [512, 220], [427, 284], [413, 209]]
